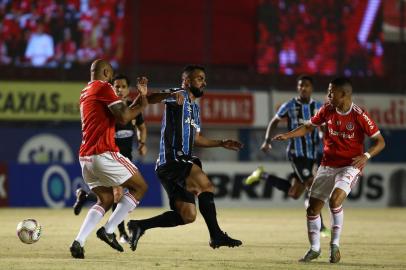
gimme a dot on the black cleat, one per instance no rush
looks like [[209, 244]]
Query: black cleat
[[81, 198], [224, 240], [124, 238], [136, 233], [77, 251], [109, 238]]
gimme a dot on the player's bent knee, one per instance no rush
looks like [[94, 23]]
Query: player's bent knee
[[188, 217], [334, 202]]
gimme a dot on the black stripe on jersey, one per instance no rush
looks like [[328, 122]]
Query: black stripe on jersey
[[300, 116]]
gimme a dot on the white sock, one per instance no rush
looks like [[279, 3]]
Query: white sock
[[337, 220], [125, 206], [95, 214], [313, 231]]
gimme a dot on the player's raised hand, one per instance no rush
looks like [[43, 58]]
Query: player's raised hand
[[179, 97], [280, 137], [359, 162], [142, 85], [231, 144], [266, 147]]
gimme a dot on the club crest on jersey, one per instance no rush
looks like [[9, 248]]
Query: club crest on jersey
[[350, 126]]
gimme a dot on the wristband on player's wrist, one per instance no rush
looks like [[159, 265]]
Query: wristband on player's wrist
[[368, 155]]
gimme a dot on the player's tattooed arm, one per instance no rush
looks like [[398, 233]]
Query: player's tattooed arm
[[124, 114]]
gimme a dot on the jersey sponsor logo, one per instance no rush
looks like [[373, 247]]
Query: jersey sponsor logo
[[350, 126], [192, 122], [341, 134], [369, 121], [45, 148], [120, 134], [357, 109]]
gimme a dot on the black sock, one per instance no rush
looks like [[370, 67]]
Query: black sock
[[208, 210], [279, 183], [167, 219], [91, 197]]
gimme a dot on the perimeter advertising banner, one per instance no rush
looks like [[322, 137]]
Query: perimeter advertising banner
[[39, 100], [381, 185], [59, 101], [55, 185]]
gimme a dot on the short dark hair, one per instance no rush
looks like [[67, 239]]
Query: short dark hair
[[304, 77], [122, 77], [191, 68], [341, 82]]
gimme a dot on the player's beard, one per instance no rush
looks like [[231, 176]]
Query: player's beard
[[196, 91]]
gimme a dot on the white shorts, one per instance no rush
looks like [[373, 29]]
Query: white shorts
[[108, 169], [329, 178]]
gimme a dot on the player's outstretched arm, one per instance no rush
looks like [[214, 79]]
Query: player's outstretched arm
[[377, 146], [154, 98], [273, 124], [297, 132], [124, 114], [201, 141]]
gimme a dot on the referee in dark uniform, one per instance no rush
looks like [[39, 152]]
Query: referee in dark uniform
[[124, 138], [179, 171]]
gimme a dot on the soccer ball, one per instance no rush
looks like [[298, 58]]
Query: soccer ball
[[29, 231]]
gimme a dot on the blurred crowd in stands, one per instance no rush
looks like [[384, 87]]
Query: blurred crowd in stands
[[60, 33], [317, 37]]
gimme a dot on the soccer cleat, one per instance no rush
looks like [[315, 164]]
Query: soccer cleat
[[255, 176], [81, 197], [124, 238], [335, 255], [109, 238], [77, 251], [136, 232], [224, 240], [310, 255]]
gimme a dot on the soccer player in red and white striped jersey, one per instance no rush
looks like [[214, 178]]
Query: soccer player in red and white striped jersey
[[343, 160], [103, 167]]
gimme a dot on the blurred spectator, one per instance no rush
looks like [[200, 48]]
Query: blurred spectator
[[40, 48], [316, 37], [66, 50], [92, 25]]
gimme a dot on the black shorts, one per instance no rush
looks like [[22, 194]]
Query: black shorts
[[302, 167], [173, 178]]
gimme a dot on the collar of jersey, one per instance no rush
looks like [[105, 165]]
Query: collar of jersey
[[347, 112]]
